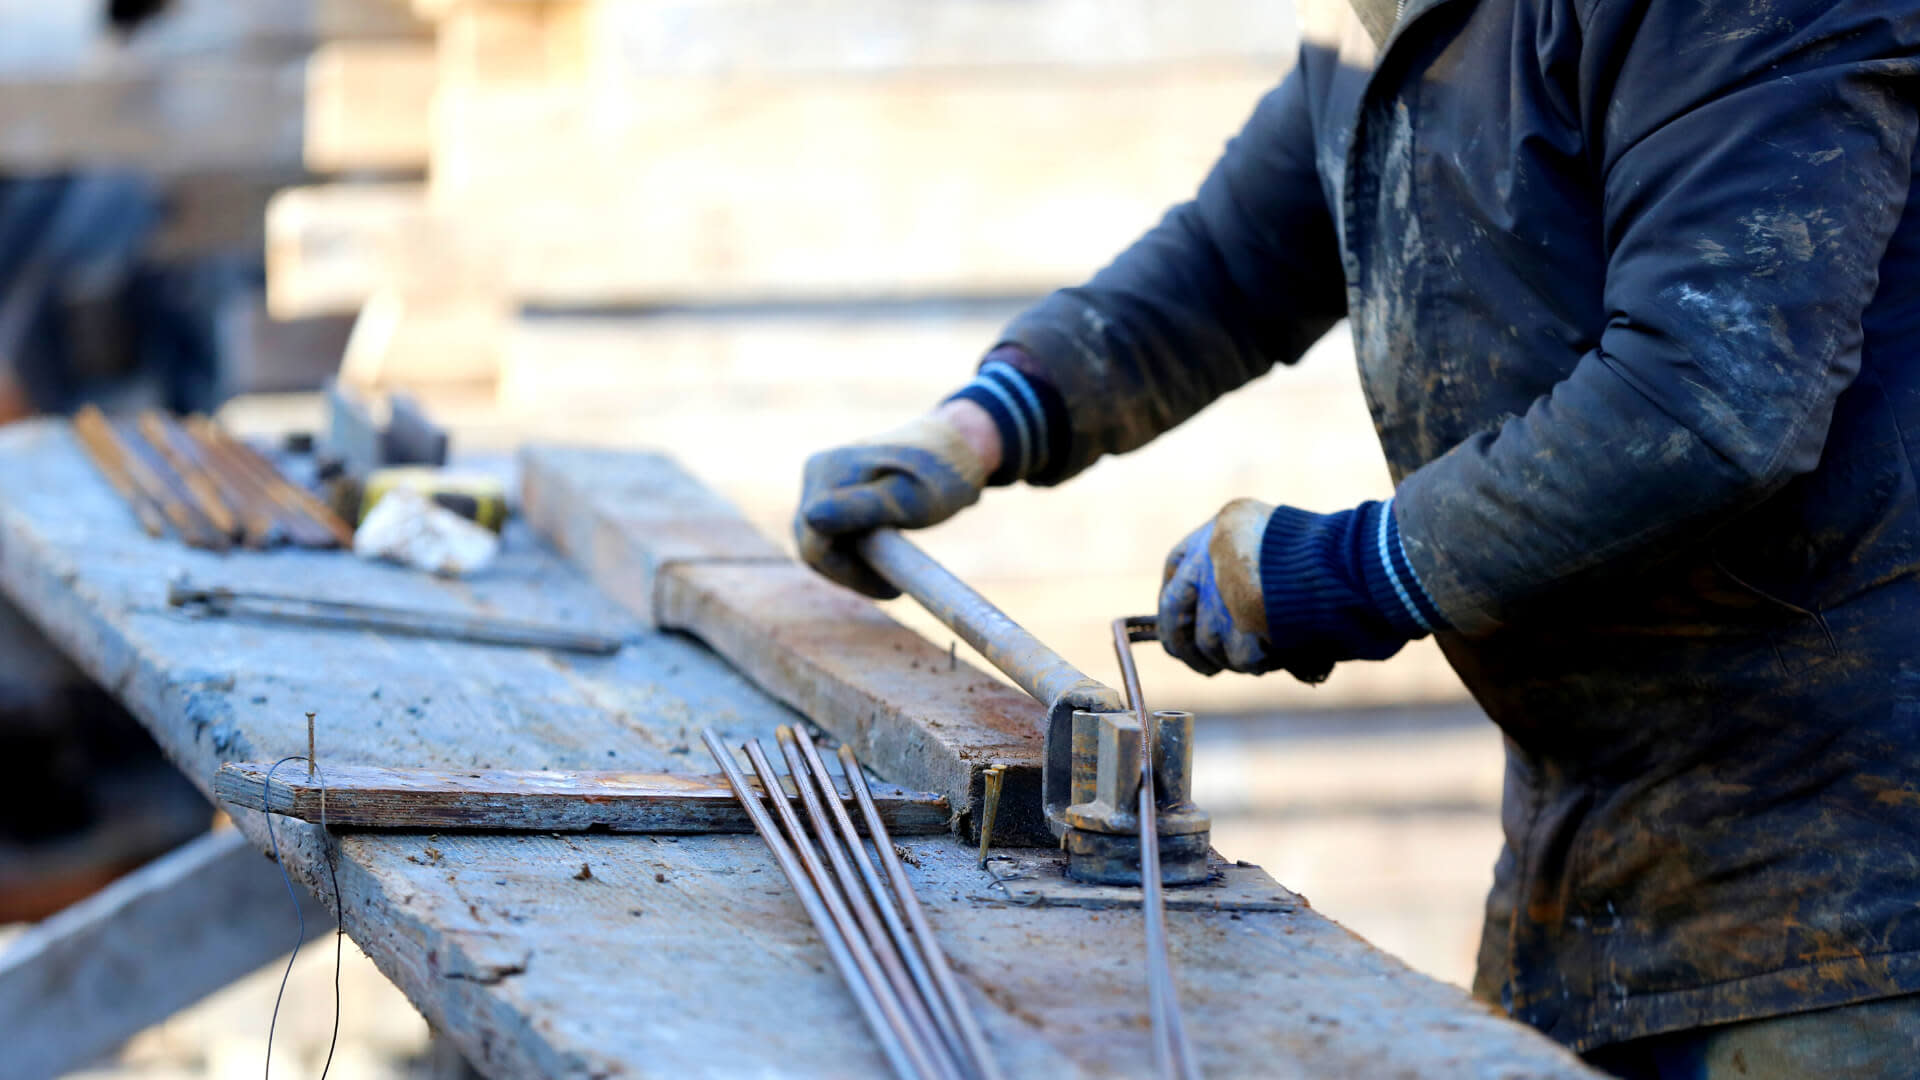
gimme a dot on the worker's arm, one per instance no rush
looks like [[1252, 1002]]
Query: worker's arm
[[1752, 171], [1245, 275], [1751, 180]]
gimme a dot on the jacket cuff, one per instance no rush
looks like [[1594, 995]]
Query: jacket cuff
[[1390, 582], [1027, 412], [1334, 572]]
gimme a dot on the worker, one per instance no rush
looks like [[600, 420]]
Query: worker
[[1635, 291]]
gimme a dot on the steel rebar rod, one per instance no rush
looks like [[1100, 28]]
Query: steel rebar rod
[[909, 949], [892, 965], [823, 923], [355, 615], [843, 920], [917, 918], [1171, 1049]]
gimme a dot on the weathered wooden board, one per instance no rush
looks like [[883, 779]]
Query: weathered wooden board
[[525, 800], [333, 248], [431, 344], [88, 978], [367, 104], [687, 561], [706, 190], [736, 37], [633, 515], [46, 37], [513, 43], [209, 115], [679, 956]]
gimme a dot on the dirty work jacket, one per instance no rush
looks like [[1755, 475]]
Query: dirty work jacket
[[1635, 287]]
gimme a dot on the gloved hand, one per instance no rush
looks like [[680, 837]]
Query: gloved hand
[[917, 475], [1261, 588]]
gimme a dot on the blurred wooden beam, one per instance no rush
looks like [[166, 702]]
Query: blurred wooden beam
[[367, 105], [210, 115], [708, 190], [748, 38]]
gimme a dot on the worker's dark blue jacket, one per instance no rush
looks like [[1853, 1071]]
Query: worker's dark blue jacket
[[1635, 286]]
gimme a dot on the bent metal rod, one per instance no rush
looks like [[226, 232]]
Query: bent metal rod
[[1172, 1053]]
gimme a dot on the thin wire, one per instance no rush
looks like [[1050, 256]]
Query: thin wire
[[339, 930]]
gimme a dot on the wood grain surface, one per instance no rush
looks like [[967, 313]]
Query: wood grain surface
[[525, 800]]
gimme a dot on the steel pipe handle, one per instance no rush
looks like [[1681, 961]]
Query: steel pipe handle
[[1058, 686], [1006, 644]]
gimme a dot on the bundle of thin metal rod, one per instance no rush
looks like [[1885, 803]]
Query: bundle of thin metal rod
[[1173, 1054], [212, 489], [863, 906]]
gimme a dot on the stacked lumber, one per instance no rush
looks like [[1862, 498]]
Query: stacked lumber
[[206, 86], [206, 97], [632, 153]]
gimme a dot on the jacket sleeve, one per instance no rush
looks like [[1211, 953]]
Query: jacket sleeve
[[1753, 169], [1244, 276]]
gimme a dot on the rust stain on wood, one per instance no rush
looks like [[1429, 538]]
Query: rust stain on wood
[[508, 800]]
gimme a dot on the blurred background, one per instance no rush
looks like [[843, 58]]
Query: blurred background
[[736, 230]]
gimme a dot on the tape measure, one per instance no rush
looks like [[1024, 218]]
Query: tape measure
[[477, 497]]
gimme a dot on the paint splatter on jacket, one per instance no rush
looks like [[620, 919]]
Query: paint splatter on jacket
[[1635, 289]]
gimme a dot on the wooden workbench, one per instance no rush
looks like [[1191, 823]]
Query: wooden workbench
[[595, 955]]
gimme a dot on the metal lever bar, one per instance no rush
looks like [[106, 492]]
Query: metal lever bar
[[1035, 668], [344, 615], [1006, 644], [1172, 1051]]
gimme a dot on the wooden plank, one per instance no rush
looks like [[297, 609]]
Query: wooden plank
[[625, 517], [71, 38], [704, 190], [83, 981], [426, 343], [942, 184], [332, 247], [522, 800], [913, 713], [367, 105], [677, 955], [638, 38], [368, 102], [217, 213], [512, 42], [210, 115]]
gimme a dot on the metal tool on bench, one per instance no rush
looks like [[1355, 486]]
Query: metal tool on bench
[[307, 610], [1100, 756], [1120, 819]]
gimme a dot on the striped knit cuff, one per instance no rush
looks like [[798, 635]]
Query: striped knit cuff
[[1025, 411], [1390, 582]]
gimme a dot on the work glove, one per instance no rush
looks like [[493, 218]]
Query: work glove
[[914, 476], [1262, 588]]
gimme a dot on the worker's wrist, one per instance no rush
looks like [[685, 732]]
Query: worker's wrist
[[976, 429], [1380, 563], [1334, 569], [1028, 418]]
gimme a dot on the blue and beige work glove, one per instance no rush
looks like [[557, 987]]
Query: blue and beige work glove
[[916, 475], [1262, 588]]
